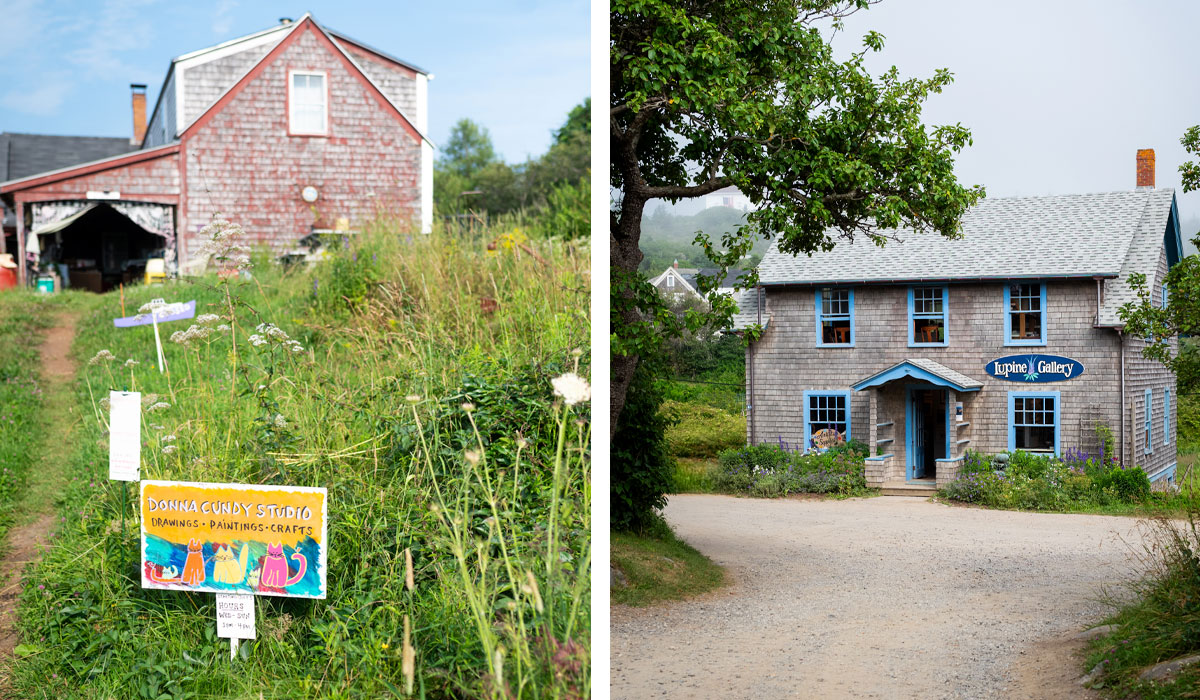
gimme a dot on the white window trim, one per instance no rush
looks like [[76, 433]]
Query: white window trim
[[325, 81]]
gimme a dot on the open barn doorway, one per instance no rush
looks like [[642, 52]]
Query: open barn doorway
[[97, 248]]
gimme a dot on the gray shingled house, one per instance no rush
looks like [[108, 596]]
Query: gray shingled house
[[1006, 339]]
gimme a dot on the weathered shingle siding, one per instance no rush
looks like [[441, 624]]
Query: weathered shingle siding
[[243, 160], [206, 83], [154, 180], [1142, 374], [397, 82], [787, 363], [162, 125]]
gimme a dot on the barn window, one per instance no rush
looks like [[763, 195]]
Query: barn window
[[308, 108]]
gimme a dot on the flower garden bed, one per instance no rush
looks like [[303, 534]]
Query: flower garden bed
[[1074, 481], [768, 471]]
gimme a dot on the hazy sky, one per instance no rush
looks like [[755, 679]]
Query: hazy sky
[[515, 67], [1058, 95]]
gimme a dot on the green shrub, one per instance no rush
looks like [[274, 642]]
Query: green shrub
[[1131, 485], [641, 462], [702, 431]]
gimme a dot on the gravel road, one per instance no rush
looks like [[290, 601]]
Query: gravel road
[[887, 597]]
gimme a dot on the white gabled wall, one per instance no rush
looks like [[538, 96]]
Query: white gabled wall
[[422, 124]]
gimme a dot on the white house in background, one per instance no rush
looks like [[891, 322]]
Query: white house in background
[[728, 197], [678, 282]]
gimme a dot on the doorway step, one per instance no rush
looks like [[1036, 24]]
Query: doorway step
[[923, 489]]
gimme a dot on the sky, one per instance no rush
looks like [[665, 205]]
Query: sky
[[1059, 96], [515, 67]]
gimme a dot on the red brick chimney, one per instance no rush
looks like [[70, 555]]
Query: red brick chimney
[[1145, 167], [139, 113]]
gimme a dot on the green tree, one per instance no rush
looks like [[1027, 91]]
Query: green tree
[[468, 150], [711, 93], [1146, 317]]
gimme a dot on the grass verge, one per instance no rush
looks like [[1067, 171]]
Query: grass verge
[[658, 566], [694, 475], [1163, 622]]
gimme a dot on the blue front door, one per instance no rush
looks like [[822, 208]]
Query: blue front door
[[927, 418], [917, 436]]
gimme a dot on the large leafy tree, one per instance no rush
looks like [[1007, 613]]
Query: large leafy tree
[[1147, 317], [711, 93]]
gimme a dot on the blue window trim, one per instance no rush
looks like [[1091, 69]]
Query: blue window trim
[[1007, 333], [1149, 425], [1166, 416], [808, 425], [820, 336], [945, 318], [1165, 297], [1012, 433]]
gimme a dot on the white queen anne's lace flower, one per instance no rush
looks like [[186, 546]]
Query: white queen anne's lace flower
[[205, 319], [572, 388], [131, 363], [158, 406], [102, 356], [169, 449]]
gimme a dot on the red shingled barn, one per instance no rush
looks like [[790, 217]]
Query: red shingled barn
[[289, 130]]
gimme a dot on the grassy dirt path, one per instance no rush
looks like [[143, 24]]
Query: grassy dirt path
[[35, 510]]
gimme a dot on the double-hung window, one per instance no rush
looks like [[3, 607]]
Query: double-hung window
[[1149, 425], [826, 419], [927, 315], [835, 317], [1025, 314], [1166, 416], [1033, 421], [308, 108]]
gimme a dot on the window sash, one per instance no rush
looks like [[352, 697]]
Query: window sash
[[1149, 424], [835, 310], [1025, 314], [823, 410], [927, 307], [308, 108], [1166, 416], [1033, 421]]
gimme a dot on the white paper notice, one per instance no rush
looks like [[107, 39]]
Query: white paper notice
[[235, 616], [124, 435]]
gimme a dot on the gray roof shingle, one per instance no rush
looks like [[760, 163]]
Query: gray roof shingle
[[22, 155], [1080, 235]]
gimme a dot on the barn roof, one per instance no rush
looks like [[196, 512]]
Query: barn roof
[[22, 155]]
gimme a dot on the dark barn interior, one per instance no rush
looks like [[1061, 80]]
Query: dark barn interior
[[99, 248]]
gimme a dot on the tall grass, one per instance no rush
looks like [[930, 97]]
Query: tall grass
[[410, 375]]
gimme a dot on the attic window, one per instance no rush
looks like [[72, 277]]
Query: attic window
[[308, 108]]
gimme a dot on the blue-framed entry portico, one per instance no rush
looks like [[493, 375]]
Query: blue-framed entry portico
[[924, 393]]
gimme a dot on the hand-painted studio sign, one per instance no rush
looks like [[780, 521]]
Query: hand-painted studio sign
[[234, 538], [1035, 368]]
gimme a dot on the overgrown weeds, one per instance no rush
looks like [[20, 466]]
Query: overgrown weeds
[[1163, 622], [458, 479]]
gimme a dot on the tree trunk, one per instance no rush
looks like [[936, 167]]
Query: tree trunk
[[625, 229]]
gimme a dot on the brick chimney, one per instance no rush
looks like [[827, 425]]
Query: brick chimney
[[1145, 167], [139, 113]]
